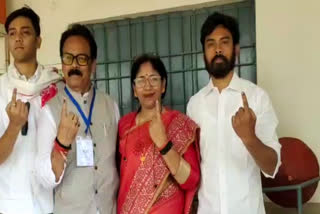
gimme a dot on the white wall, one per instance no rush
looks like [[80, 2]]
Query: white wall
[[288, 56], [288, 50]]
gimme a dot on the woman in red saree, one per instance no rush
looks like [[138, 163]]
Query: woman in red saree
[[159, 165]]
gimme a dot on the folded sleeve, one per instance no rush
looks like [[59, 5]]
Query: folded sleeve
[[266, 125]]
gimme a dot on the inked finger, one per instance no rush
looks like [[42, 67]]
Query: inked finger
[[244, 100], [14, 95], [64, 110]]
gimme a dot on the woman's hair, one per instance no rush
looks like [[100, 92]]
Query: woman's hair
[[157, 65]]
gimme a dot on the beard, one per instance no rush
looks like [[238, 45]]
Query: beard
[[220, 69]]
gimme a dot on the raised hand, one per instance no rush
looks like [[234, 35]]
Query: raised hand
[[68, 127], [157, 129], [17, 111], [244, 121]]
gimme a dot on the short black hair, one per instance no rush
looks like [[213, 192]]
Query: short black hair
[[24, 12], [157, 65], [83, 31], [216, 19]]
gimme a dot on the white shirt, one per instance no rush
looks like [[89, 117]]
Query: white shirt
[[231, 181], [19, 193]]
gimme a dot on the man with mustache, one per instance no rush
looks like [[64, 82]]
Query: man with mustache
[[24, 83], [238, 127], [77, 134]]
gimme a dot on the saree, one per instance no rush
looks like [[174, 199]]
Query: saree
[[146, 185]]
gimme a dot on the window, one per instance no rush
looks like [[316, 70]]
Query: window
[[175, 37]]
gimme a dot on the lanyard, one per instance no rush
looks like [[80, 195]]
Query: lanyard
[[86, 120]]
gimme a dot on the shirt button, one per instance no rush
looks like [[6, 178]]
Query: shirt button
[[95, 145], [125, 159], [95, 167], [85, 101], [96, 191]]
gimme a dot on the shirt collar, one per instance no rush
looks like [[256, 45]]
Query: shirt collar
[[78, 96], [18, 75], [235, 84]]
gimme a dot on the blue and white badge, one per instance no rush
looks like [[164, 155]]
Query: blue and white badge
[[85, 157]]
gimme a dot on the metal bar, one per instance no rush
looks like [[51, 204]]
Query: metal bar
[[131, 56], [112, 78], [191, 45], [156, 34], [91, 27], [280, 188], [239, 51], [183, 73], [176, 71], [142, 29], [124, 61], [195, 47], [106, 67], [309, 182], [291, 187], [162, 56], [253, 34], [119, 70], [169, 60], [299, 194]]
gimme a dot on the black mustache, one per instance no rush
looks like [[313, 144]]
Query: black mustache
[[74, 72]]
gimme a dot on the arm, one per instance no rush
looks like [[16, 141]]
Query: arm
[[265, 156], [46, 133], [187, 172], [67, 131], [180, 167], [58, 164], [50, 162], [7, 141], [259, 135], [266, 126], [17, 112]]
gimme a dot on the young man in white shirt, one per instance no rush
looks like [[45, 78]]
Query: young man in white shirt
[[238, 127], [24, 82]]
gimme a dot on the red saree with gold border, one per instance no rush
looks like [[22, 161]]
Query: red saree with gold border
[[146, 185]]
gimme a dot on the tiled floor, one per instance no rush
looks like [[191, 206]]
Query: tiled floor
[[309, 208]]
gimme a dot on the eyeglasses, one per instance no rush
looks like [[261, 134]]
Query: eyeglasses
[[82, 59], [154, 81]]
